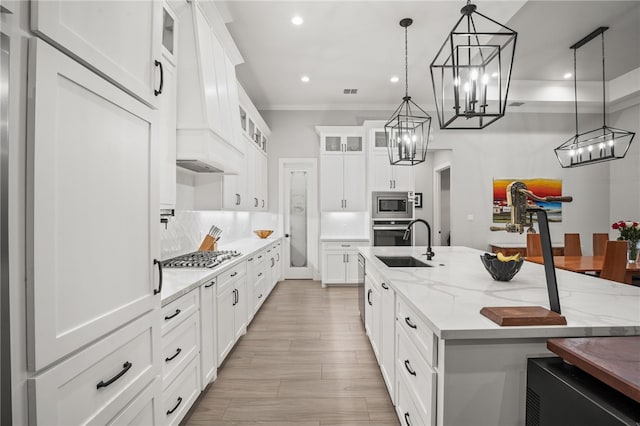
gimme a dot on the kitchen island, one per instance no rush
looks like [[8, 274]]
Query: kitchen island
[[476, 370]]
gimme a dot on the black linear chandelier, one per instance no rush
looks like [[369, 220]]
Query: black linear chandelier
[[407, 131], [595, 146], [471, 72]]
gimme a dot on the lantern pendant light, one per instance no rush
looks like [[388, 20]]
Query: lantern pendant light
[[407, 131], [595, 146], [471, 72]]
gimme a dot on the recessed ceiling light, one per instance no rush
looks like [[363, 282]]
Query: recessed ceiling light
[[394, 79], [304, 79], [297, 20], [567, 75]]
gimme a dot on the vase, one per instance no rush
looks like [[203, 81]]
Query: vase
[[632, 251]]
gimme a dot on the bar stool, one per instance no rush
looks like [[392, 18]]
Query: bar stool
[[614, 267], [599, 243], [572, 245]]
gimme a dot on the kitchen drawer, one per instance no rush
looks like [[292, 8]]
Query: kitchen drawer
[[343, 245], [145, 409], [418, 332], [181, 394], [97, 383], [406, 408], [179, 346], [231, 274], [179, 310], [418, 376]]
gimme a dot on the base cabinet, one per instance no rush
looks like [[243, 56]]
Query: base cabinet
[[145, 409], [181, 393], [340, 262], [208, 332], [372, 315], [231, 308]]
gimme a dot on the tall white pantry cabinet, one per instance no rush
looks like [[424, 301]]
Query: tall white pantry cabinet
[[93, 282]]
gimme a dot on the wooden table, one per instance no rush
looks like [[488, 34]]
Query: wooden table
[[612, 360], [509, 249], [586, 264]]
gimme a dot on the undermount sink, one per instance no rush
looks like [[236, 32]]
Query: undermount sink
[[403, 262]]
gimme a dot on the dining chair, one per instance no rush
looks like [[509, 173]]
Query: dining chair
[[614, 266], [572, 245], [534, 246], [599, 242]]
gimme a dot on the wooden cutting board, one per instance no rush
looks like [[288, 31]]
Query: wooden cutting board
[[612, 360]]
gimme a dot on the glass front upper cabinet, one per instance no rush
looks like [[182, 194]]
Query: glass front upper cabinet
[[168, 30], [353, 144], [243, 119], [333, 144]]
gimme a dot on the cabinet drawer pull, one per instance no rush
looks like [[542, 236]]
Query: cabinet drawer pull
[[169, 412], [406, 419], [407, 365], [250, 259], [409, 323], [369, 297], [260, 297], [159, 289], [234, 274], [385, 286], [260, 257], [269, 251], [125, 367], [346, 245], [159, 64], [259, 274], [175, 314], [210, 284], [171, 358]]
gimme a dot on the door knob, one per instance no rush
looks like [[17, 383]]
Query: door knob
[[286, 235]]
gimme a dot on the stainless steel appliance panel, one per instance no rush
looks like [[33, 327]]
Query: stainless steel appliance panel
[[391, 233], [391, 205]]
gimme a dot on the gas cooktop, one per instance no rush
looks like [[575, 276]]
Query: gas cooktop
[[200, 259]]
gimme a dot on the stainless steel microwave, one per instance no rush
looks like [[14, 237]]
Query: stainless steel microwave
[[391, 205]]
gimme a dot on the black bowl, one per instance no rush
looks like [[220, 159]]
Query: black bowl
[[501, 271]]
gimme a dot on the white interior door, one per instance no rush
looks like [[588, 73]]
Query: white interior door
[[299, 211]]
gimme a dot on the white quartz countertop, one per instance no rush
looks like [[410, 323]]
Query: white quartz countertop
[[450, 295], [330, 238], [179, 281]]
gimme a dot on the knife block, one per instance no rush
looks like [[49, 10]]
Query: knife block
[[208, 243]]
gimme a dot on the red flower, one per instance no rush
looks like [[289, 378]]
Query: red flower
[[615, 225]]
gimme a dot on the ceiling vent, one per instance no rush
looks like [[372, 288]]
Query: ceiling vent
[[350, 91], [516, 104]]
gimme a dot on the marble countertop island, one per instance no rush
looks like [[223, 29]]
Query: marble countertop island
[[450, 295]]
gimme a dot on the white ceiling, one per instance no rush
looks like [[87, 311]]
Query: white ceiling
[[359, 44]]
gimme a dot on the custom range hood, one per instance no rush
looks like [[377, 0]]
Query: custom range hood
[[208, 135]]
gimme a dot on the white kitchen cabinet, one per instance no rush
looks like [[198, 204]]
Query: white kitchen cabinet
[[382, 175], [342, 144], [95, 384], [388, 337], [94, 200], [342, 185], [231, 308], [179, 347], [340, 262], [274, 259], [256, 283], [167, 105], [181, 394], [145, 409], [208, 331], [100, 35], [372, 314], [207, 106]]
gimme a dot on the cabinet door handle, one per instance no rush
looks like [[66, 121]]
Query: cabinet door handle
[[260, 297], [346, 245], [406, 419], [273, 262], [394, 184], [171, 358], [235, 296], [408, 367], [159, 64], [175, 314], [259, 274], [345, 204], [210, 284], [234, 274], [409, 323], [390, 184], [127, 365], [369, 298], [256, 202], [278, 257], [263, 203], [169, 412], [385, 286], [159, 289]]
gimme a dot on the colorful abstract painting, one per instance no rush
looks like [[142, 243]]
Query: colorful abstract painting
[[539, 186]]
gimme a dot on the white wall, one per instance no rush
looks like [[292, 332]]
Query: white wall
[[520, 145]]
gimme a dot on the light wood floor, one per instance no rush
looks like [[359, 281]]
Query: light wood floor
[[305, 361]]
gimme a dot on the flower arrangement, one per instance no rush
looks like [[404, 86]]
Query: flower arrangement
[[629, 231]]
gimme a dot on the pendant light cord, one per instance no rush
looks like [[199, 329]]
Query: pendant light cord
[[575, 86], [406, 64], [604, 115]]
